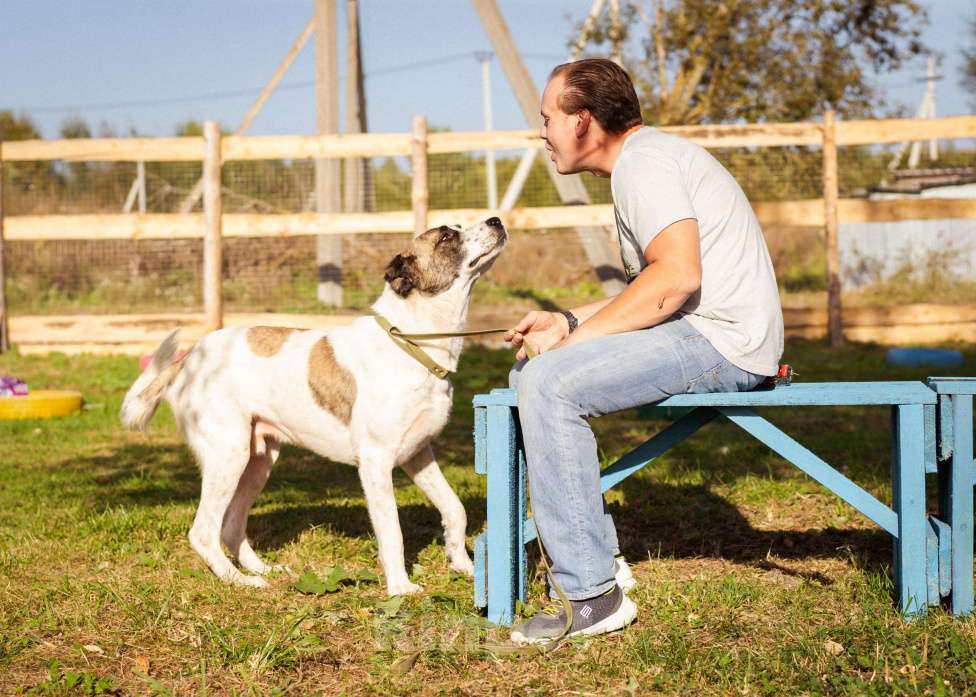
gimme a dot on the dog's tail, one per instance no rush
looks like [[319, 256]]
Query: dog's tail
[[143, 397]]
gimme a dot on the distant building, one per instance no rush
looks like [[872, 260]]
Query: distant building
[[872, 252]]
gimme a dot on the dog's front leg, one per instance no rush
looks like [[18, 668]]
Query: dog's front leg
[[376, 475], [425, 473]]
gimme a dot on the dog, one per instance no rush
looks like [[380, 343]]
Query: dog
[[349, 394]]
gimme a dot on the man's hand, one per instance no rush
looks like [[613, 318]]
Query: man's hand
[[539, 330]]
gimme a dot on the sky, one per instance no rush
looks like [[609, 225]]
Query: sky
[[148, 65]]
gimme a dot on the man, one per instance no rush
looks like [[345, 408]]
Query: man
[[700, 313]]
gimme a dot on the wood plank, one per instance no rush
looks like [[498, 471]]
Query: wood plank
[[140, 334], [187, 225], [107, 149], [316, 147], [835, 328], [813, 394], [749, 135], [863, 132], [394, 144]]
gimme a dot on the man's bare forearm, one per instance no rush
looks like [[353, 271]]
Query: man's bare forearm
[[655, 295], [584, 312]]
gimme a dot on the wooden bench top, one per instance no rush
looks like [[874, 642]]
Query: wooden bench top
[[797, 394]]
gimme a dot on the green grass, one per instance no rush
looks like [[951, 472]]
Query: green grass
[[751, 578]]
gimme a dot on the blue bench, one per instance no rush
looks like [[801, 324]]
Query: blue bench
[[931, 432]]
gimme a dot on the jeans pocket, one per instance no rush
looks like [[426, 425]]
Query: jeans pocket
[[707, 381]]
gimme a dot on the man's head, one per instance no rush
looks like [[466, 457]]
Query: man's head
[[586, 103]]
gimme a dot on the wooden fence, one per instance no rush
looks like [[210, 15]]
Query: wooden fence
[[213, 150]]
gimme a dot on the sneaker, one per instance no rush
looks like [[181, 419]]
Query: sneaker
[[606, 613], [622, 574]]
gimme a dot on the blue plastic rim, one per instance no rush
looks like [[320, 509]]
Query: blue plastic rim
[[919, 356]]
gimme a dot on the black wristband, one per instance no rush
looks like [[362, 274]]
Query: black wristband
[[571, 319]]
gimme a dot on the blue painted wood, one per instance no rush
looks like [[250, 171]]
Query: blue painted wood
[[819, 470], [521, 502], [480, 572], [529, 533], [480, 433], [931, 457], [953, 385], [960, 514], [944, 426], [932, 565], [503, 509], [943, 535], [812, 394], [908, 497], [797, 394], [653, 448]]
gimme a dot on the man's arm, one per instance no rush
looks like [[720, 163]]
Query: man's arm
[[657, 293], [672, 276]]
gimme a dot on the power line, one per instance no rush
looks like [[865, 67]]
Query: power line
[[239, 93]]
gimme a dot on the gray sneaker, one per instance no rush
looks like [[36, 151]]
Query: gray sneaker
[[606, 613]]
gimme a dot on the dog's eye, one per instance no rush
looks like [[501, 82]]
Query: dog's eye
[[446, 235]]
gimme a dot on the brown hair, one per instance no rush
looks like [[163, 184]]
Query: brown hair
[[604, 89]]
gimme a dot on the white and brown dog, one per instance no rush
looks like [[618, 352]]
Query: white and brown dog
[[349, 394]]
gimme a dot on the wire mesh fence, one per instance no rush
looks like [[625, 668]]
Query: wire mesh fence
[[281, 273]]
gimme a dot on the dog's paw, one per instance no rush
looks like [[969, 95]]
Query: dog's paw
[[462, 565], [402, 588], [239, 579]]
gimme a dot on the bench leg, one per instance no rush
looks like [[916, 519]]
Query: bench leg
[[503, 545], [960, 504], [908, 500]]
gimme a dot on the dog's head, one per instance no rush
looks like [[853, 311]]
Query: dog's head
[[443, 257]]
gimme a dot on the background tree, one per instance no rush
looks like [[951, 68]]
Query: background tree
[[968, 81], [708, 61]]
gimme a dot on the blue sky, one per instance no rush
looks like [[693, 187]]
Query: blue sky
[[102, 60]]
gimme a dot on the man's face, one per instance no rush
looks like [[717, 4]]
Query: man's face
[[559, 129]]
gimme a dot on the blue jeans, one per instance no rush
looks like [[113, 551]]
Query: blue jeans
[[559, 390]]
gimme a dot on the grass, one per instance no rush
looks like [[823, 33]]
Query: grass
[[751, 578]]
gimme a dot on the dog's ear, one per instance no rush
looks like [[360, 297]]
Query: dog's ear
[[401, 274]]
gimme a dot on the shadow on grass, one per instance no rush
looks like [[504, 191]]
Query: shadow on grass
[[690, 522]]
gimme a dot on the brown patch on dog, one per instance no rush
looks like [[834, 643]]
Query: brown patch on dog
[[333, 387], [430, 264], [267, 341]]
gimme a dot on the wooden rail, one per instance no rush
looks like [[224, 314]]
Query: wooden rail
[[394, 144], [121, 226]]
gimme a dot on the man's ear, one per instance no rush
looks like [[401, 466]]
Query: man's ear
[[582, 122], [401, 274]]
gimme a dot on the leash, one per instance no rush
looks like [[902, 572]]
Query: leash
[[406, 342]]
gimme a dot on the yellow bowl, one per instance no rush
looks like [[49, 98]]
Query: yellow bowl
[[40, 404]]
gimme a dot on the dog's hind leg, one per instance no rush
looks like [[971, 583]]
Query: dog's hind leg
[[251, 484], [376, 475], [425, 473], [224, 453]]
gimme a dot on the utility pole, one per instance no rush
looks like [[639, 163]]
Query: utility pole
[[485, 58], [328, 248], [595, 240], [357, 176], [926, 110]]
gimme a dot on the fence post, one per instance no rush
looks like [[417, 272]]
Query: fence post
[[835, 328], [4, 329], [213, 218], [419, 195]]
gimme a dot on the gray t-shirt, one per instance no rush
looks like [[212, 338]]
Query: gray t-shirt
[[659, 179]]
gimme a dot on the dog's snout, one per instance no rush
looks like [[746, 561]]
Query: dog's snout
[[493, 222]]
